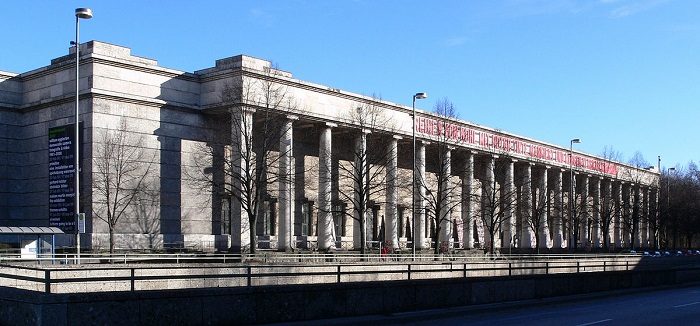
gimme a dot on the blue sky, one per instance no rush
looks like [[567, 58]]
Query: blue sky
[[611, 72]]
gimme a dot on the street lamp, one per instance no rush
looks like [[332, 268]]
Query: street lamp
[[419, 96], [80, 13], [572, 227]]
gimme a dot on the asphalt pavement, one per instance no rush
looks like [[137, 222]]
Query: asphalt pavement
[[668, 306]]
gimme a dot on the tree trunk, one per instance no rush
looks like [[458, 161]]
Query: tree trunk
[[111, 239], [251, 232], [437, 239]]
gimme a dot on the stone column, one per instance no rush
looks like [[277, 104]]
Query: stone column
[[391, 225], [609, 210], [508, 196], [626, 214], [558, 211], [585, 212], [526, 234], [445, 202], [543, 208], [419, 229], [638, 207], [359, 175], [653, 217], [325, 217], [645, 218], [241, 152], [479, 219], [487, 192], [467, 201], [286, 174], [617, 220], [595, 228], [572, 211]]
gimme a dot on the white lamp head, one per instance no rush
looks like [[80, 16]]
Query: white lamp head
[[84, 13]]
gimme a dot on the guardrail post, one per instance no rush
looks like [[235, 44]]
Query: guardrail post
[[338, 269], [546, 268], [578, 267], [604, 263], [132, 280], [627, 265], [409, 271], [510, 269], [47, 281], [464, 267], [249, 275]]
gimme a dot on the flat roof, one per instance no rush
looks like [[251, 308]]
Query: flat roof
[[30, 230]]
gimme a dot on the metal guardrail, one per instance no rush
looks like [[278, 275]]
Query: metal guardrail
[[273, 257], [49, 279]]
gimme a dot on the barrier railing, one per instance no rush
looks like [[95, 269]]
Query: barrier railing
[[280, 257], [271, 256], [158, 277]]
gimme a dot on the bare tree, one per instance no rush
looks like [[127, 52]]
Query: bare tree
[[439, 198], [632, 221], [682, 193], [610, 205], [367, 169], [496, 204], [534, 212], [120, 169], [258, 110]]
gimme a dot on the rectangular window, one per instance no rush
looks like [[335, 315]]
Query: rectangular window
[[305, 218], [339, 219]]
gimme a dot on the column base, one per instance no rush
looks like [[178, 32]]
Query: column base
[[267, 241], [344, 243], [307, 242]]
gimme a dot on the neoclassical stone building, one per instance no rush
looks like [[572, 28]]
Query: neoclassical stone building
[[191, 131]]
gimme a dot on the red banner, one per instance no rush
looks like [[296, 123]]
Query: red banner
[[501, 143]]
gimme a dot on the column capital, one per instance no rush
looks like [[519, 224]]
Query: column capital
[[292, 117], [248, 109], [331, 124], [423, 142], [365, 131], [397, 137]]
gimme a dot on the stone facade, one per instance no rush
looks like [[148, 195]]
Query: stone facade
[[190, 127]]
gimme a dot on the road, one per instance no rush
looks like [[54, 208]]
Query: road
[[676, 306]]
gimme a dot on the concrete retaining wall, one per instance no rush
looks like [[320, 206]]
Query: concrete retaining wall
[[303, 301]]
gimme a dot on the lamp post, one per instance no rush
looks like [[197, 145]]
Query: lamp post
[[657, 207], [419, 96], [80, 13], [572, 241]]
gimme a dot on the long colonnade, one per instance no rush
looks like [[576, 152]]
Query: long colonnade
[[521, 203]]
